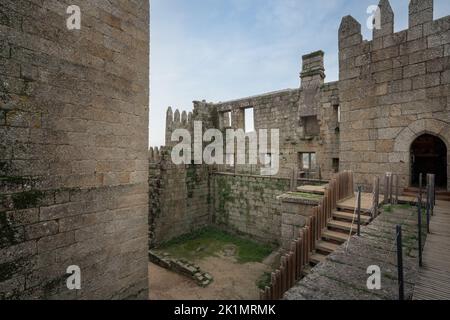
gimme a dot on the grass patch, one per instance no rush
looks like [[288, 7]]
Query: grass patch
[[264, 281], [405, 206], [211, 242]]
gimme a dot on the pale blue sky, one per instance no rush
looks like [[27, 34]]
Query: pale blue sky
[[219, 50]]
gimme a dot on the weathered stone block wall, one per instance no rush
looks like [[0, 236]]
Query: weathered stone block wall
[[328, 146], [248, 205], [278, 110], [392, 90], [295, 212], [73, 149], [289, 111], [179, 197]]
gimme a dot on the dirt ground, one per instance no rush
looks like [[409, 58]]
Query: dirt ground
[[232, 281]]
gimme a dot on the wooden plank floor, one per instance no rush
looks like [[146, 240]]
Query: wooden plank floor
[[349, 203], [433, 282]]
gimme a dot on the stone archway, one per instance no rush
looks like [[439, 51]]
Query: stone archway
[[405, 139], [429, 155]]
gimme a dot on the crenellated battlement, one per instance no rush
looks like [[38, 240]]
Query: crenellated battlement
[[359, 58], [386, 20], [420, 12], [177, 120], [158, 154], [421, 24]]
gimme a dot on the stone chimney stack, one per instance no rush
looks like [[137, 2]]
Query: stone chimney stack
[[386, 26], [313, 70], [420, 12]]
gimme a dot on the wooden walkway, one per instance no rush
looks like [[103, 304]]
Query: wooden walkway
[[343, 274], [433, 282], [350, 203]]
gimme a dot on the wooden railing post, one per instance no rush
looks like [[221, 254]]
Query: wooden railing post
[[359, 210], [433, 193], [428, 205], [292, 263], [401, 290], [386, 189], [419, 226], [420, 186], [397, 183], [377, 196], [391, 187]]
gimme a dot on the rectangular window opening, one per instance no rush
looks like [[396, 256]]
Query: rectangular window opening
[[230, 159], [249, 117], [307, 161], [227, 119], [336, 165], [337, 110]]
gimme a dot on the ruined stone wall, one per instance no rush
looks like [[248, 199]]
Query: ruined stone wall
[[392, 90], [277, 110], [179, 197], [179, 194], [328, 147], [291, 111], [73, 149], [184, 198], [248, 205]]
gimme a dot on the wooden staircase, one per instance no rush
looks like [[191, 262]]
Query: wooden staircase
[[343, 224], [328, 226]]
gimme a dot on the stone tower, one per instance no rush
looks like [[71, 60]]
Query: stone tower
[[74, 149], [394, 90]]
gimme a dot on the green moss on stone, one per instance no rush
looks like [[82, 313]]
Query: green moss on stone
[[224, 196], [28, 199], [8, 236]]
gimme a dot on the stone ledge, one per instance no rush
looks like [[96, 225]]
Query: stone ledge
[[181, 266], [293, 197]]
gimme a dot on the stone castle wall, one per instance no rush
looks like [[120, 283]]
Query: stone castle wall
[[278, 110], [392, 90], [73, 149], [179, 197], [248, 205], [241, 202], [291, 111]]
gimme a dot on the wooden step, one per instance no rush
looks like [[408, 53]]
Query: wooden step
[[342, 225], [317, 258], [345, 215], [326, 246], [335, 236]]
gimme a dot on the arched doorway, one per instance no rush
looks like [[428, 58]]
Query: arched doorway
[[429, 155]]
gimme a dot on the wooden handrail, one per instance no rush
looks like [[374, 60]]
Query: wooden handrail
[[298, 257]]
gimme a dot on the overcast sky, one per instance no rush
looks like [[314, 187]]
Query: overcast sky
[[219, 50]]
